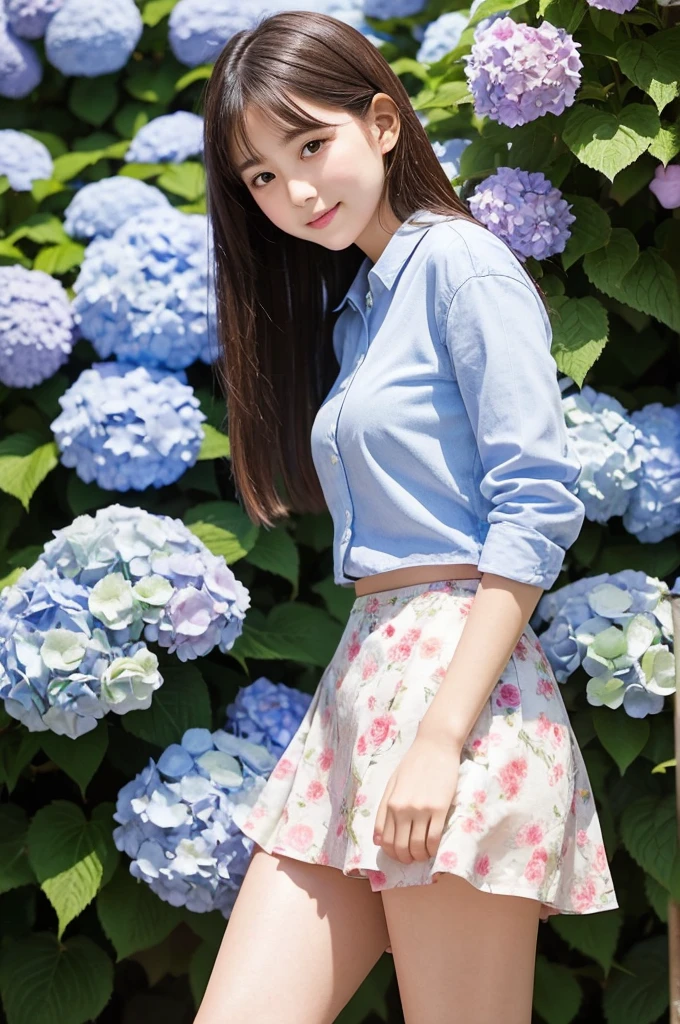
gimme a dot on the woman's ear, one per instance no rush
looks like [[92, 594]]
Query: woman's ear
[[386, 121]]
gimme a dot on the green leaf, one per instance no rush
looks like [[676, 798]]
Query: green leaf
[[94, 100], [648, 830], [632, 179], [200, 969], [557, 993], [72, 857], [594, 935], [79, 758], [132, 916], [607, 267], [276, 551], [186, 180], [565, 13], [181, 703], [24, 464], [667, 143], [15, 869], [155, 10], [621, 736], [224, 528], [18, 747], [13, 576], [658, 898], [199, 74], [652, 287], [215, 444], [45, 981], [608, 143], [151, 84], [652, 64], [338, 600], [59, 259], [82, 497], [640, 997], [295, 631], [70, 165], [43, 228], [580, 332], [590, 230]]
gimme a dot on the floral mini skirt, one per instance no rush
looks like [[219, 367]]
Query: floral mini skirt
[[523, 821]]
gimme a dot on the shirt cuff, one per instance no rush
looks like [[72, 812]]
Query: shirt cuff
[[521, 554]]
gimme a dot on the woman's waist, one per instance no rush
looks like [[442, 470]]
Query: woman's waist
[[412, 574]]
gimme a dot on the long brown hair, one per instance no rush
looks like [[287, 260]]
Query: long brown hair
[[274, 292]]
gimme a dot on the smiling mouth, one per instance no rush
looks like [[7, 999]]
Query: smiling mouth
[[322, 215]]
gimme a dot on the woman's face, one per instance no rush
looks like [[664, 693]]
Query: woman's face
[[294, 181]]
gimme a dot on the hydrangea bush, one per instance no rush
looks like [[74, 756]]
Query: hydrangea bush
[[130, 748]]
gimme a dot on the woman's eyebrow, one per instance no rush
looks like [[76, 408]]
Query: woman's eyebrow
[[288, 136]]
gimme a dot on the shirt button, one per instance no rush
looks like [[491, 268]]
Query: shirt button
[[369, 299], [346, 516], [334, 459]]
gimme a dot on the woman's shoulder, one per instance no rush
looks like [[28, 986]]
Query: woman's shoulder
[[461, 248]]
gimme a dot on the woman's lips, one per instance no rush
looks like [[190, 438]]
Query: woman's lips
[[325, 219]]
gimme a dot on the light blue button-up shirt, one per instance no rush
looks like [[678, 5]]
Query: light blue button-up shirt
[[443, 437]]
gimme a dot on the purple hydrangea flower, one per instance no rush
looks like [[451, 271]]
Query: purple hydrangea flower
[[604, 438], [142, 294], [59, 668], [181, 595], [654, 509], [30, 18], [617, 6], [618, 628], [177, 819], [267, 713], [93, 37], [36, 326], [666, 185], [524, 209], [128, 428], [98, 209], [20, 67], [441, 36], [199, 29], [171, 138], [518, 72]]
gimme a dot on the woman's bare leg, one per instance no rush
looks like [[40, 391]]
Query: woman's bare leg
[[300, 940], [462, 956]]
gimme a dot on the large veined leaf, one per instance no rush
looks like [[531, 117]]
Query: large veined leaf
[[594, 935], [293, 630], [181, 703], [648, 830], [621, 736], [580, 332], [79, 758], [557, 993], [652, 64], [640, 996], [224, 528], [608, 142], [15, 869], [276, 552], [133, 916], [24, 464]]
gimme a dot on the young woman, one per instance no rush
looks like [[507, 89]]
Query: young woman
[[388, 357]]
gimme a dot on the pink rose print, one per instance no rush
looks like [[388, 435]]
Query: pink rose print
[[600, 858], [370, 667], [258, 812], [508, 696], [371, 703], [248, 825], [521, 649], [340, 828], [361, 745], [535, 869], [512, 776], [543, 724], [389, 629], [411, 636], [339, 681], [555, 774], [545, 688], [353, 650], [326, 758], [326, 716], [284, 768], [581, 837], [399, 651], [323, 858], [530, 834], [431, 647], [378, 878], [382, 728], [360, 799], [465, 606], [300, 837], [583, 895], [356, 859], [495, 739], [572, 809], [480, 745], [315, 790], [438, 674], [284, 815], [448, 859], [483, 865], [479, 796], [474, 824], [372, 605], [557, 734]]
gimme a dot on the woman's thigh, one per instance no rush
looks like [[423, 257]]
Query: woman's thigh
[[300, 940], [462, 956]]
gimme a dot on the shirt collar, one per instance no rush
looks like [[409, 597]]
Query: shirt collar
[[393, 257]]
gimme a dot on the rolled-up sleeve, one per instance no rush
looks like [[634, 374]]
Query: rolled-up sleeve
[[499, 346]]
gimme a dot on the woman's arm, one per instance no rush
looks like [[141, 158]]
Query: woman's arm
[[500, 611]]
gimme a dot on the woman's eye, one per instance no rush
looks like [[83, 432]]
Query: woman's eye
[[312, 142]]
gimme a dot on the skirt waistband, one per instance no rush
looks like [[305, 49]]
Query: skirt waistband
[[380, 597]]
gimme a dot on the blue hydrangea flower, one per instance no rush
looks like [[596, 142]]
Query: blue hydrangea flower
[[36, 326], [93, 37], [604, 438], [199, 29], [150, 574], [653, 512], [441, 36], [449, 153], [519, 72], [267, 713], [59, 668], [142, 295], [384, 9], [30, 18], [352, 13], [98, 209], [524, 209], [128, 428], [20, 66], [617, 6], [23, 159], [171, 138], [177, 819], [618, 628]]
